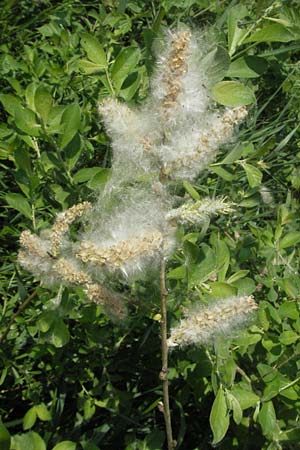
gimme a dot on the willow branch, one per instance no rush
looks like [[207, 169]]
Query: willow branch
[[164, 351]]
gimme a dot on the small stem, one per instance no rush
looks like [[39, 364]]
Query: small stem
[[243, 373], [16, 314], [164, 352], [110, 83]]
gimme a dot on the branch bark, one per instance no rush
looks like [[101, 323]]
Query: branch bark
[[164, 352]]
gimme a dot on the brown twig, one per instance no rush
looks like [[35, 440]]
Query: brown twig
[[16, 314], [164, 352]]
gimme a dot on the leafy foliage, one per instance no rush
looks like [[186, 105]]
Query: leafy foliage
[[71, 380]]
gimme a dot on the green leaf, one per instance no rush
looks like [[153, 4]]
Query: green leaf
[[235, 32], [84, 175], [191, 190], [247, 67], [288, 337], [233, 93], [65, 445], [237, 411], [235, 407], [222, 258], [5, 438], [94, 50], [233, 155], [289, 309], [70, 122], [124, 64], [267, 420], [130, 86], [219, 417], [254, 175], [100, 178], [245, 286], [223, 173], [292, 288], [202, 271], [42, 412], [28, 441], [72, 151], [18, 202], [89, 409], [88, 67], [29, 419], [217, 63], [25, 120], [246, 399], [60, 335], [271, 390], [30, 93], [11, 103], [22, 159], [271, 33], [289, 239], [222, 290], [43, 102], [179, 273], [237, 276], [45, 320]]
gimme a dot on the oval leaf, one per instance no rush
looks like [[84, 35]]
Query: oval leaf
[[60, 334], [65, 445], [42, 412], [29, 419], [28, 441], [219, 417], [18, 202], [94, 50], [71, 123], [4, 437], [254, 175], [125, 63], [26, 121], [217, 62], [267, 420], [271, 33], [233, 93], [290, 239], [247, 67], [43, 102]]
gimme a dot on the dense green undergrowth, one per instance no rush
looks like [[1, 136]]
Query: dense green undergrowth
[[70, 379]]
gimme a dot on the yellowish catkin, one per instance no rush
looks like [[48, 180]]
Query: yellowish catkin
[[69, 273], [198, 212], [63, 222], [33, 244], [122, 252], [201, 326], [209, 142], [112, 302], [175, 68]]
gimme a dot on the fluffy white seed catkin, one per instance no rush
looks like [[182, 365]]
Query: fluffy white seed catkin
[[113, 303], [117, 255], [62, 224], [202, 325], [193, 145], [35, 257], [198, 212]]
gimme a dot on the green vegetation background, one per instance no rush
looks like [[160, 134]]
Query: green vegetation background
[[71, 379]]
